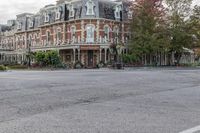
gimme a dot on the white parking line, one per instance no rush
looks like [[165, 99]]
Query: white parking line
[[192, 130], [18, 78]]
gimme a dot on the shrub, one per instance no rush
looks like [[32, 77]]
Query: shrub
[[129, 59], [2, 68], [78, 65], [49, 58], [61, 65], [101, 64]]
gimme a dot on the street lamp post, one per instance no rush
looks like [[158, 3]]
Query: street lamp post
[[116, 50], [29, 53], [29, 57]]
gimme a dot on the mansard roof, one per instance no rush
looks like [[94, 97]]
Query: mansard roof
[[24, 15], [103, 9], [4, 28]]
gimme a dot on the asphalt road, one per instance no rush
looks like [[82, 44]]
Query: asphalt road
[[100, 101]]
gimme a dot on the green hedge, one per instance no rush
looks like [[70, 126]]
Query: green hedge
[[17, 67], [2, 68]]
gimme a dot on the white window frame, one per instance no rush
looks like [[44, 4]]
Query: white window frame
[[118, 8], [47, 17], [58, 38], [90, 7], [88, 38], [58, 13], [19, 25], [71, 10], [31, 23], [116, 31], [108, 34], [73, 33]]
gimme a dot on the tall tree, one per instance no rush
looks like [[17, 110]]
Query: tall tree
[[194, 28], [195, 25], [179, 26], [148, 27]]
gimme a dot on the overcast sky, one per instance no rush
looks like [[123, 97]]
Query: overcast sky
[[10, 8]]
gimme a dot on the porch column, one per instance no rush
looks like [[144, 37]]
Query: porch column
[[105, 55], [79, 51], [74, 52], [4, 58], [22, 58], [11, 58], [16, 58], [100, 57]]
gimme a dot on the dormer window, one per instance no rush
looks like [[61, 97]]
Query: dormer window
[[31, 23], [46, 19], [117, 11], [90, 7], [71, 11], [58, 13], [19, 25]]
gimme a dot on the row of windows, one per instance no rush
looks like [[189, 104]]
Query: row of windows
[[90, 32], [89, 7]]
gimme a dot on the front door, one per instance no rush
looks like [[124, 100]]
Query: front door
[[90, 58]]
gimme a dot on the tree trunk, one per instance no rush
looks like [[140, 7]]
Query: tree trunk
[[177, 57]]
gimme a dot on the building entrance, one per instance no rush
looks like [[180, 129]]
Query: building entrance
[[90, 58]]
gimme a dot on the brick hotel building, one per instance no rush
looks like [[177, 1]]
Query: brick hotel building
[[80, 30]]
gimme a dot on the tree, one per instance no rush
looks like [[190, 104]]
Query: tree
[[149, 36], [180, 26], [195, 25]]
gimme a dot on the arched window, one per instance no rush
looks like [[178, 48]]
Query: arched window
[[116, 33], [48, 35], [106, 33], [90, 7], [90, 33], [30, 40], [35, 40], [23, 40], [17, 40], [73, 33], [58, 35], [12, 43]]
